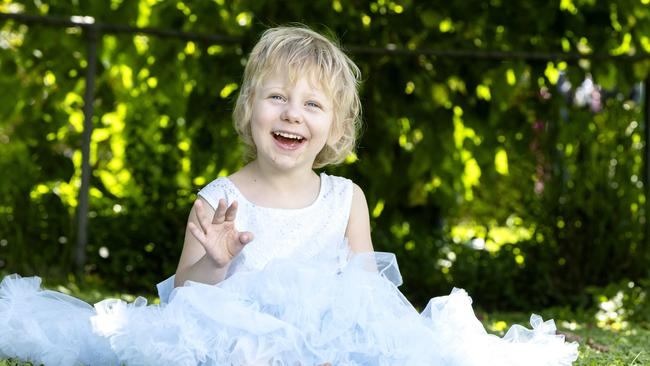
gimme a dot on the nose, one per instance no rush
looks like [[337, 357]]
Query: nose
[[291, 114]]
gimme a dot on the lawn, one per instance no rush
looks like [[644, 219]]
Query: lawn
[[598, 345], [612, 344]]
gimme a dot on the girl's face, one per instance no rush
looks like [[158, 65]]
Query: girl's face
[[290, 123]]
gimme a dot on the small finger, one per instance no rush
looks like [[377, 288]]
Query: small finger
[[197, 233], [220, 214], [231, 212]]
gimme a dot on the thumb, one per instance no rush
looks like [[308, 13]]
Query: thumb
[[245, 237]]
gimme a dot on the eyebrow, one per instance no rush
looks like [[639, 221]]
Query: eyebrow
[[321, 95], [317, 96]]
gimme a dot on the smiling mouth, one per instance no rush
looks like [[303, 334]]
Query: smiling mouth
[[288, 141]]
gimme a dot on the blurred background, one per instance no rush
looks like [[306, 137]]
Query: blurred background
[[504, 147]]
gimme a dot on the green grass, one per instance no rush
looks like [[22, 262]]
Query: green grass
[[601, 346], [598, 346]]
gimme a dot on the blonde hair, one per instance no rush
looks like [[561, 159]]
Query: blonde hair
[[296, 51]]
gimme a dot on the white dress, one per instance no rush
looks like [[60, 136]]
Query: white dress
[[294, 296]]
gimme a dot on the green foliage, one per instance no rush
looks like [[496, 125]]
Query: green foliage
[[14, 362], [479, 173]]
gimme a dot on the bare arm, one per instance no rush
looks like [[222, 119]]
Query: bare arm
[[211, 242], [358, 230]]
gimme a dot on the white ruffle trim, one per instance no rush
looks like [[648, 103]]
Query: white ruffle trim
[[289, 313]]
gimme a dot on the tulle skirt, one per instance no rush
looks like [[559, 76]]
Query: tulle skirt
[[289, 313]]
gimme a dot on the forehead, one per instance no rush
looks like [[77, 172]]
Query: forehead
[[291, 76], [280, 81]]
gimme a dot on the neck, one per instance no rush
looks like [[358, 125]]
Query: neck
[[280, 180]]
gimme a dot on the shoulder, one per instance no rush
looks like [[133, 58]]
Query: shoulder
[[357, 193], [337, 190], [359, 205], [335, 181], [216, 190], [358, 230], [346, 187]]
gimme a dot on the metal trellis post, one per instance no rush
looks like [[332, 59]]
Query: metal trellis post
[[92, 34], [646, 162]]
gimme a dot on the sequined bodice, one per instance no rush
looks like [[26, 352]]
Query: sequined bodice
[[299, 234]]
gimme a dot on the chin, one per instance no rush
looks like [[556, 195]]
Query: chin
[[287, 162]]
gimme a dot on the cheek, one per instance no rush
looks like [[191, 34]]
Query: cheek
[[257, 129], [258, 119], [257, 133], [255, 114], [329, 130]]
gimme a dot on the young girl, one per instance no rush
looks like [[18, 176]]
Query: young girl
[[277, 266]]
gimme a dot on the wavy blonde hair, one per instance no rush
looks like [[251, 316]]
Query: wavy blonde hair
[[296, 51]]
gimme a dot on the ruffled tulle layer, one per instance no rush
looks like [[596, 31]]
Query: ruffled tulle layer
[[48, 327], [287, 314]]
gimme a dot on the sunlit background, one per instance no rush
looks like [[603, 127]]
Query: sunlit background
[[504, 146]]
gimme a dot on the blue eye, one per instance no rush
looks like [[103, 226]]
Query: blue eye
[[277, 97], [313, 104]]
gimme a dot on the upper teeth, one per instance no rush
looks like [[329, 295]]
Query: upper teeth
[[288, 135]]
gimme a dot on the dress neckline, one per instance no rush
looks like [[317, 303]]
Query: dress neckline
[[243, 198]]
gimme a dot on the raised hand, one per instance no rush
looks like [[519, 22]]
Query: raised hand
[[219, 237]]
